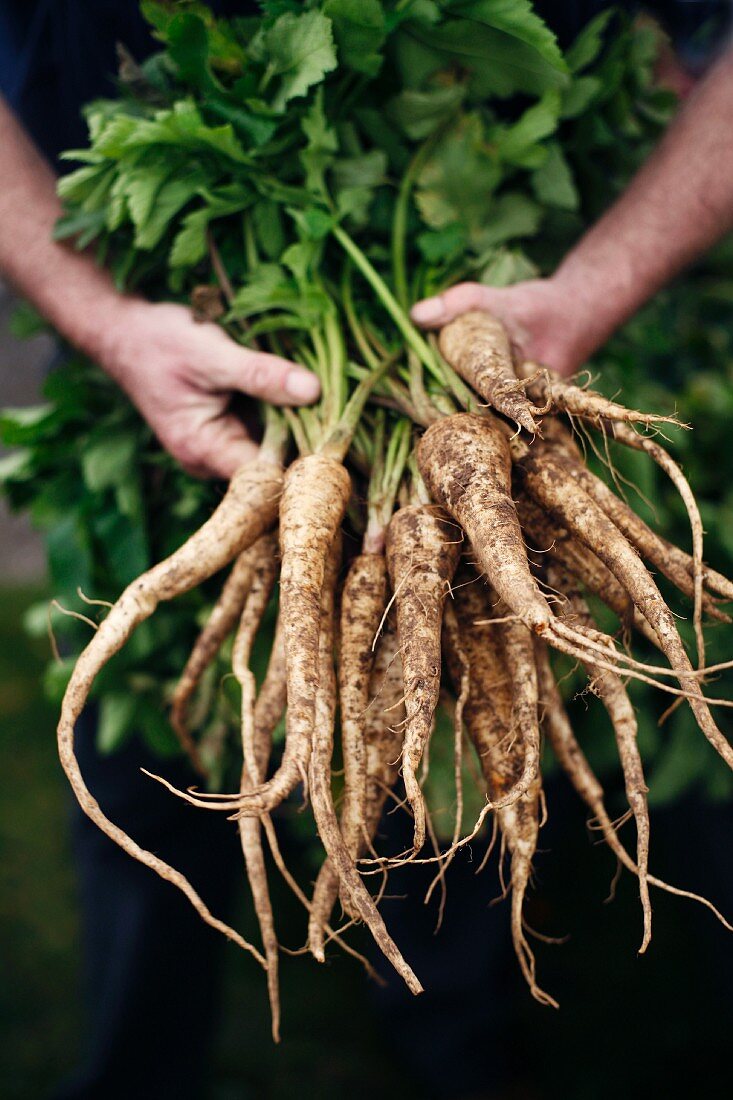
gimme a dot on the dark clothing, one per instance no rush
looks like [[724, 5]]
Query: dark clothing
[[697, 27], [151, 966], [57, 55]]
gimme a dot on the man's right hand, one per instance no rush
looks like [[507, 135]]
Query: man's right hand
[[676, 207], [542, 320]]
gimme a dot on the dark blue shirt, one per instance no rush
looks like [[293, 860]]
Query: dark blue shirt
[[698, 28], [56, 55]]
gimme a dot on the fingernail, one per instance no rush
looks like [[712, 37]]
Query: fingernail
[[427, 312], [302, 386]]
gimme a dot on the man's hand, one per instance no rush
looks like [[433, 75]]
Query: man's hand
[[543, 323], [676, 207], [181, 376]]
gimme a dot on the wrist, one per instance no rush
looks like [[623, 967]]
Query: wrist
[[81, 301], [100, 327], [554, 329], [590, 310], [605, 281]]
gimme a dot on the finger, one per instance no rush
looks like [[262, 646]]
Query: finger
[[438, 311], [226, 446], [217, 448], [268, 377]]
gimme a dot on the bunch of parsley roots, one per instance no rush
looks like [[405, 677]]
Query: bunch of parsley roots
[[430, 532]]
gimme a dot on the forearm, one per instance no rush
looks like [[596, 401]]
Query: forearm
[[179, 373], [65, 286], [678, 205]]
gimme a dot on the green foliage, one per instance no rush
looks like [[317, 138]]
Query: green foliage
[[300, 51], [256, 139], [515, 17]]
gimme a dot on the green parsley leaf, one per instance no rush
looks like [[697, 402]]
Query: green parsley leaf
[[360, 29], [301, 51], [517, 18]]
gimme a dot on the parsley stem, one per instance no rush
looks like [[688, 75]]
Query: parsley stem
[[352, 318], [338, 441], [412, 337], [275, 438], [401, 211]]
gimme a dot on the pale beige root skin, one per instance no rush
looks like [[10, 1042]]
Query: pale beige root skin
[[319, 773], [363, 600], [423, 549], [221, 622], [383, 722], [267, 707], [689, 573], [552, 542], [314, 499], [700, 574], [264, 572], [519, 824], [488, 709], [300, 895], [498, 712], [561, 438], [324, 724], [268, 710], [680, 568], [673, 563], [248, 509], [610, 689], [519, 658], [556, 725], [466, 464], [476, 345], [271, 700], [546, 386], [451, 629], [549, 482], [383, 730]]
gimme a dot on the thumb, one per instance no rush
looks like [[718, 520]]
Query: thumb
[[438, 311], [268, 377]]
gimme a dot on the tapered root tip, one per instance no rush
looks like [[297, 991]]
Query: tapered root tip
[[524, 419], [646, 907], [417, 805], [647, 938], [543, 998], [317, 950], [274, 995], [317, 926]]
